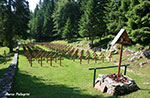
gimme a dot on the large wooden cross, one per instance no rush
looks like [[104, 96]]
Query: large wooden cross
[[121, 38]]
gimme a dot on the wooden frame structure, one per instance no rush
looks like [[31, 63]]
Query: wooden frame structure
[[121, 38]]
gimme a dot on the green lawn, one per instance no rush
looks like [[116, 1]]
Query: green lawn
[[71, 80]]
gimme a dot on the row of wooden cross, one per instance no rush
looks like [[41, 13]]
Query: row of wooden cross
[[70, 51], [33, 54]]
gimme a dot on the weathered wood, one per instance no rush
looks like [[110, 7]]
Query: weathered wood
[[95, 57], [109, 57], [121, 48], [81, 56], [60, 58], [102, 57], [88, 56]]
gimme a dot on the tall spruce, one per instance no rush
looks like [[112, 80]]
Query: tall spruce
[[41, 24], [138, 23], [66, 9], [92, 21], [14, 19]]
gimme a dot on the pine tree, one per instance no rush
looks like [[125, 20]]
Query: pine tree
[[67, 32], [15, 17], [92, 23], [66, 9], [139, 21], [41, 24]]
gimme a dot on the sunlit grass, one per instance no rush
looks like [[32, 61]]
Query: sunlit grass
[[71, 80]]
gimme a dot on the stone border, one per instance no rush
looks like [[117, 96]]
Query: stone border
[[6, 82]]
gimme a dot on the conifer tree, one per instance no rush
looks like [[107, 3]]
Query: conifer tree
[[92, 23], [138, 23], [66, 9], [67, 32], [14, 21]]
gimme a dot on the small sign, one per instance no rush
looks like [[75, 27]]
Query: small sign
[[122, 34]]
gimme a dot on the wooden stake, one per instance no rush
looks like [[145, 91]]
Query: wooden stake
[[121, 48], [41, 61], [60, 58], [51, 58], [110, 56], [103, 57]]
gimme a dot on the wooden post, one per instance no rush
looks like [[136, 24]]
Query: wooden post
[[55, 59], [51, 58], [41, 61], [60, 58], [95, 57], [121, 48], [109, 56], [5, 57], [80, 57], [88, 57], [103, 57], [30, 60]]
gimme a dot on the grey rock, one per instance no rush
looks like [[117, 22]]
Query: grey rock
[[143, 63], [146, 83], [77, 45], [146, 53], [106, 84]]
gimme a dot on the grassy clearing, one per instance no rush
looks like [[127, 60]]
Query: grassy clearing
[[71, 80], [3, 66]]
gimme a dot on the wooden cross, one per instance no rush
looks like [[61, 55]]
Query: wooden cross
[[109, 56], [51, 60], [103, 57], [81, 56], [88, 57], [121, 38], [55, 56], [95, 57], [75, 55], [30, 61], [48, 56], [60, 58], [41, 61]]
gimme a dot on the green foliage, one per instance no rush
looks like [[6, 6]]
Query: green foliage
[[91, 23], [132, 15], [67, 32], [41, 24], [66, 9], [139, 22], [14, 18]]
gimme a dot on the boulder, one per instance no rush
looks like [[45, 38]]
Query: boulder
[[147, 53], [143, 63], [105, 84]]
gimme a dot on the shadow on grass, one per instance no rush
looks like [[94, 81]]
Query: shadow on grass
[[102, 43], [2, 71], [73, 40], [37, 89]]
